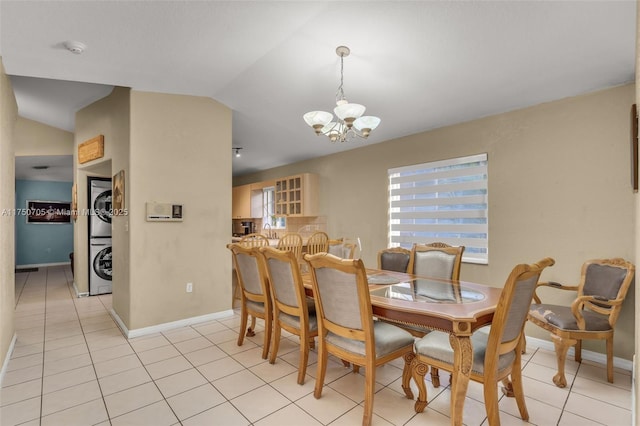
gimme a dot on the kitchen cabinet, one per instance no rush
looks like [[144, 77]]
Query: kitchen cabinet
[[241, 202], [246, 202], [297, 195]]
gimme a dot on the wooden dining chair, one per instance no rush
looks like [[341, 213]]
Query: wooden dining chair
[[255, 297], [291, 242], [394, 259], [249, 240], [293, 311], [496, 355], [346, 326], [436, 260], [318, 242], [592, 315], [342, 249], [254, 240]]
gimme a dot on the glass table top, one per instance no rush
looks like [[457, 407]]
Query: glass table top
[[428, 291]]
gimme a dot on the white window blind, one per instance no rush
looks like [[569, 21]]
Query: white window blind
[[443, 201]]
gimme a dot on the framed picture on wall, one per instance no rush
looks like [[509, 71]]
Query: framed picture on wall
[[51, 212], [118, 194], [74, 202]]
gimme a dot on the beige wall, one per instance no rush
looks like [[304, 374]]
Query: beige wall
[[180, 153], [559, 186], [169, 148], [34, 138], [8, 115]]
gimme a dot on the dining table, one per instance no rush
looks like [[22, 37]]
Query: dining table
[[455, 307]]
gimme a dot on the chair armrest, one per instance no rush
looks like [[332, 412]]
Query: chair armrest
[[552, 284], [578, 305]]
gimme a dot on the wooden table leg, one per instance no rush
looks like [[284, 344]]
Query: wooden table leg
[[462, 362]]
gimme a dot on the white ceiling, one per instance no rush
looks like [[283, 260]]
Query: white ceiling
[[417, 65]]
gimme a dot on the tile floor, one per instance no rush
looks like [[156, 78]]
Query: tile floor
[[72, 366]]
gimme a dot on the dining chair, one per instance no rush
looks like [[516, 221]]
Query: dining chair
[[592, 315], [340, 248], [249, 240], [318, 242], [346, 327], [254, 240], [291, 242], [394, 259], [436, 260], [255, 295], [496, 355], [293, 311]]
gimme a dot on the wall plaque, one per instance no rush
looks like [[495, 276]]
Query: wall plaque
[[91, 149]]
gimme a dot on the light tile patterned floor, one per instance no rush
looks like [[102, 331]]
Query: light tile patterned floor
[[72, 366]]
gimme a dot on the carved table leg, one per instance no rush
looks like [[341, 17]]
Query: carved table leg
[[562, 347]]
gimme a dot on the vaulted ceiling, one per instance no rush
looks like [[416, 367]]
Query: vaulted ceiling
[[416, 65]]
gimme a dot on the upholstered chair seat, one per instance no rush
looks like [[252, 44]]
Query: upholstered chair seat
[[562, 317], [388, 338]]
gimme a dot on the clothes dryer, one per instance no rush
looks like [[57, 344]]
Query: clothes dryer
[[100, 207], [100, 266]]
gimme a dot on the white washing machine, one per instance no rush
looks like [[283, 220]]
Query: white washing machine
[[100, 205], [99, 266]]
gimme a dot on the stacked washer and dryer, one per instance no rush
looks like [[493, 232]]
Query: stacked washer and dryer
[[99, 190]]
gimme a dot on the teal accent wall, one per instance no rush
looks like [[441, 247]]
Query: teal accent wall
[[38, 244]]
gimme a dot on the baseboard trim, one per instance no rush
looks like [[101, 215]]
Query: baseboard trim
[[44, 265], [78, 294], [130, 334], [7, 357], [598, 357]]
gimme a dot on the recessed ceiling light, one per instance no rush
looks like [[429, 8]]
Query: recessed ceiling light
[[76, 47]]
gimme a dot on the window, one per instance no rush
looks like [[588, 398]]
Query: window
[[442, 201], [268, 210]]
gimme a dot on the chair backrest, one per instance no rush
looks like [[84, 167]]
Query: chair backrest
[[607, 279], [509, 319], [437, 260], [254, 240], [343, 304], [250, 271], [341, 249], [394, 259], [291, 242], [318, 242], [285, 282]]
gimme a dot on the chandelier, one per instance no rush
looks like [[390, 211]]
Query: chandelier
[[349, 122]]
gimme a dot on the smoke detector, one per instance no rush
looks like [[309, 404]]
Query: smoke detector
[[75, 47]]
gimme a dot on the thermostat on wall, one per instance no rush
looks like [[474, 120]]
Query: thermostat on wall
[[164, 212]]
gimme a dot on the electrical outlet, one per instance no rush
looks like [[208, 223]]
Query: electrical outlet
[[189, 287]]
